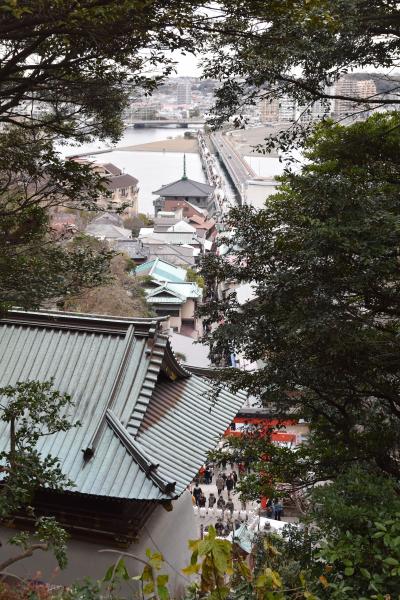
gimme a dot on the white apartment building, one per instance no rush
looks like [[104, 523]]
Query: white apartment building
[[184, 93], [287, 108]]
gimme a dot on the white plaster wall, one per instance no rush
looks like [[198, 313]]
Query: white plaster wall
[[259, 190], [176, 322], [188, 308], [167, 532]]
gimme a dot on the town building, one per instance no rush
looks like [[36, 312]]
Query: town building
[[184, 93], [146, 424], [171, 295], [174, 221], [177, 238], [269, 110], [148, 249], [108, 226], [353, 88], [287, 108], [176, 254], [186, 208], [161, 270], [124, 188], [178, 302], [201, 195], [141, 110]]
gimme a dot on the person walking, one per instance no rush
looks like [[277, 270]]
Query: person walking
[[278, 509], [207, 476], [230, 483], [270, 509], [202, 471], [221, 503], [229, 505], [211, 500], [219, 527], [220, 483], [197, 491], [202, 500], [235, 479]]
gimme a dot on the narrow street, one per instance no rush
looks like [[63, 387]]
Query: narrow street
[[241, 513]]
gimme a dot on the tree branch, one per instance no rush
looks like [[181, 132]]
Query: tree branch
[[28, 552]]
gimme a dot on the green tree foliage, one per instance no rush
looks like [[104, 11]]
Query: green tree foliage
[[192, 275], [135, 224], [323, 259], [358, 550], [83, 60], [122, 294], [32, 410], [67, 72], [265, 49]]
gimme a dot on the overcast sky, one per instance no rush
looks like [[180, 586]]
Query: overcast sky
[[187, 66]]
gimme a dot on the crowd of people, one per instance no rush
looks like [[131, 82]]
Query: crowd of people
[[226, 481], [223, 481]]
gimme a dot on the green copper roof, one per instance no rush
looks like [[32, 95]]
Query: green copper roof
[[111, 368], [161, 270]]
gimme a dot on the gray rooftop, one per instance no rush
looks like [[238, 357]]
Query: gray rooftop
[[112, 169], [131, 247], [137, 406], [108, 231], [185, 188], [177, 255], [163, 223], [121, 181]]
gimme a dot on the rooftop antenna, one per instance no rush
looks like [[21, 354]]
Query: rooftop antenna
[[184, 176]]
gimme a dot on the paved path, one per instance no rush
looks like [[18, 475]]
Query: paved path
[[241, 512], [235, 164]]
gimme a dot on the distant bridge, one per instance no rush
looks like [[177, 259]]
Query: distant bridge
[[183, 123], [239, 171]]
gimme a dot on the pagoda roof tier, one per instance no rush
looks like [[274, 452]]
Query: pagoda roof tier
[[185, 188]]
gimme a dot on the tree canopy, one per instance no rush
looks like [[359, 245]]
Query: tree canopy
[[67, 71], [122, 295], [265, 49], [323, 260], [79, 61]]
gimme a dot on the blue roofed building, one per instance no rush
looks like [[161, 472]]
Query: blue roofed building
[[147, 424], [162, 270], [170, 295]]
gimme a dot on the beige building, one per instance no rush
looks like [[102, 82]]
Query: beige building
[[178, 301], [124, 188], [349, 86], [170, 295], [269, 110]]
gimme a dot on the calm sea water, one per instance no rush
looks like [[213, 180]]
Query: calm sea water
[[154, 169]]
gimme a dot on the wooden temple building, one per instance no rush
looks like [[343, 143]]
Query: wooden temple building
[[147, 424]]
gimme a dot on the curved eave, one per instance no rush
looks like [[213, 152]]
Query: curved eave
[[171, 366]]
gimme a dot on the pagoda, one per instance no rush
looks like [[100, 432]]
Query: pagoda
[[184, 190]]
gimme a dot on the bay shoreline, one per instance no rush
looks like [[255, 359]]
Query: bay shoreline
[[187, 145]]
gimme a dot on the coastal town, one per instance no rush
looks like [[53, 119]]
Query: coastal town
[[199, 301]]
